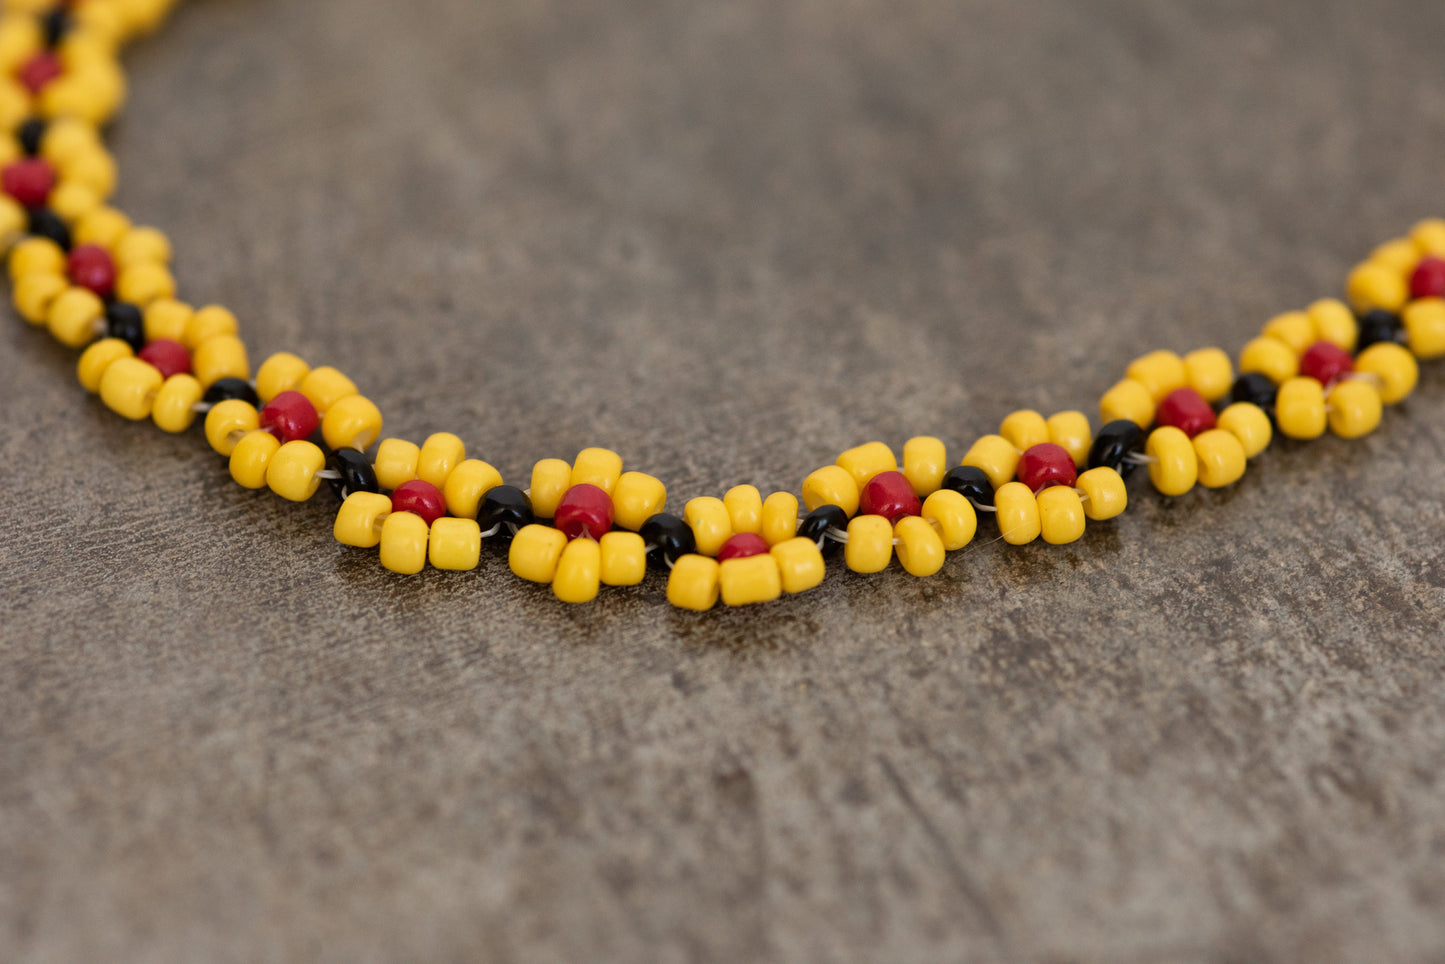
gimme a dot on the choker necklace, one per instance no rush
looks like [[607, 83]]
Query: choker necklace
[[102, 285]]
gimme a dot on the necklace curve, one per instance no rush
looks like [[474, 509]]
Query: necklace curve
[[103, 286]]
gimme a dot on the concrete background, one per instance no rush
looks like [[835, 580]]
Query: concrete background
[[730, 240]]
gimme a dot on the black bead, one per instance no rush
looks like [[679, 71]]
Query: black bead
[[819, 521], [45, 223], [1254, 388], [225, 389], [670, 536], [1377, 326], [505, 508], [124, 321], [970, 482], [55, 25], [32, 132], [1115, 441], [356, 473]]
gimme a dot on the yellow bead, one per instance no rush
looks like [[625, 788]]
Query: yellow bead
[[1354, 408], [454, 544], [748, 580], [251, 457], [14, 222], [710, 523], [167, 318], [1209, 372], [227, 422], [73, 200], [624, 558], [440, 453], [1397, 253], [1024, 429], [358, 521], [920, 548], [599, 467], [1335, 323], [636, 498], [1429, 236], [1248, 423], [67, 136], [97, 358], [140, 284], [15, 103], [35, 293], [1375, 284], [36, 256], [831, 485], [206, 323], [467, 484], [20, 39], [404, 538], [1070, 431], [1294, 328], [1160, 372], [76, 316], [925, 462], [129, 387], [1394, 369], [551, 478], [395, 463], [95, 168], [745, 508], [1104, 493], [1061, 515], [1299, 408], [103, 226], [175, 407], [324, 387], [800, 564], [1221, 458], [1269, 357], [870, 544], [579, 572], [1018, 513], [352, 423], [1425, 327], [282, 372], [693, 583], [1130, 400], [954, 516], [780, 518], [10, 151], [142, 244], [1175, 467], [223, 356], [996, 456], [865, 461], [292, 471]]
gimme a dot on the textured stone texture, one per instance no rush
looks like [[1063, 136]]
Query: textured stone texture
[[730, 240]]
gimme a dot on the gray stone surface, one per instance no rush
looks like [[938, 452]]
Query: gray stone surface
[[730, 240]]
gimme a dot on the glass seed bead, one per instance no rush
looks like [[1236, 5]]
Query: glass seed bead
[[1399, 254], [693, 583], [780, 517], [103, 226], [971, 482], [468, 483], [1254, 388], [291, 473], [585, 511], [1334, 322], [1070, 431], [1018, 513], [1425, 327], [251, 457], [1428, 236], [623, 559], [745, 508], [169, 357], [1175, 467], [551, 478], [1248, 423], [454, 545], [1186, 410], [1061, 515], [142, 244], [31, 133], [354, 474], [954, 517], [90, 266], [749, 580], [221, 357], [206, 323], [1210, 373], [925, 460], [1160, 372], [129, 388], [996, 456], [224, 388], [636, 498], [289, 416], [1130, 400], [97, 358], [419, 497], [1428, 278], [1326, 363], [831, 485], [741, 545], [126, 322], [165, 318], [45, 223], [75, 317], [1393, 366], [669, 537], [36, 256], [1269, 357], [174, 410], [227, 421], [869, 547], [1380, 326], [396, 462], [920, 548], [1114, 444], [599, 467], [404, 538], [1024, 429], [28, 180], [819, 522], [890, 495], [325, 386], [800, 564], [506, 509], [1375, 284], [39, 71], [1221, 458], [579, 569], [34, 295], [144, 283], [1044, 465], [1105, 493], [282, 372], [353, 422], [1354, 408], [710, 523], [864, 461], [440, 453], [1294, 328], [1299, 409], [358, 521]]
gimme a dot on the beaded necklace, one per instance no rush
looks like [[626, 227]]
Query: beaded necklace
[[103, 285]]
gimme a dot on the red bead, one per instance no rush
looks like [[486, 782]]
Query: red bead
[[29, 181], [890, 495], [91, 266], [742, 545], [1428, 279], [1046, 464], [585, 510], [1325, 362], [1186, 410], [290, 416], [421, 498], [169, 357], [39, 71]]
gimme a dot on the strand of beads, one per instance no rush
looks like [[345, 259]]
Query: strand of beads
[[99, 283]]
